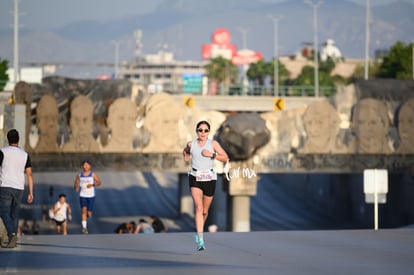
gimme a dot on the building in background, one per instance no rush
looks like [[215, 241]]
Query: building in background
[[31, 75], [330, 50], [162, 73]]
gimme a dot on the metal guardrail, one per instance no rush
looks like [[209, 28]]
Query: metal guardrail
[[288, 90], [251, 90]]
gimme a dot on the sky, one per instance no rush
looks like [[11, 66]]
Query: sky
[[49, 14], [52, 14]]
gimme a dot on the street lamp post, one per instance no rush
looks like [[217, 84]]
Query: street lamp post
[[244, 36], [116, 65], [275, 20], [367, 38], [315, 43], [16, 42], [244, 77]]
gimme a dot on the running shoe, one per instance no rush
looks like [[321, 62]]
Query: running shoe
[[12, 241], [84, 231], [200, 245]]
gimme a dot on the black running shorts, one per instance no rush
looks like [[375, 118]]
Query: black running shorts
[[208, 187]]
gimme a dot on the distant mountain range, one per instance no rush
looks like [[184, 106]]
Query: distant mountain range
[[183, 26]]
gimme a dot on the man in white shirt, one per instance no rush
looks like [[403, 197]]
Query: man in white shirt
[[14, 162]]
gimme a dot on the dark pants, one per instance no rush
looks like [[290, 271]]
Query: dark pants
[[10, 200]]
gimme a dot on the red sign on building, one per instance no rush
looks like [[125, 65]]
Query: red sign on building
[[221, 46], [245, 57]]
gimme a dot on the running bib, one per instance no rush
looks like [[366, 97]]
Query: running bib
[[206, 175], [84, 190], [84, 185]]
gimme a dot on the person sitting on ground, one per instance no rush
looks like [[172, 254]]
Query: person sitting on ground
[[157, 224], [131, 227], [122, 228], [144, 227]]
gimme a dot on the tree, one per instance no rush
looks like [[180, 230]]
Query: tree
[[4, 77], [398, 62], [221, 70], [260, 70], [327, 79], [305, 77], [257, 72], [327, 66], [327, 82]]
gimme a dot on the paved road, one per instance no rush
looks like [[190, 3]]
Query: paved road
[[277, 252]]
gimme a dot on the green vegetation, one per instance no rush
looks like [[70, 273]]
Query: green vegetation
[[396, 64], [222, 71], [4, 65], [258, 71], [327, 81]]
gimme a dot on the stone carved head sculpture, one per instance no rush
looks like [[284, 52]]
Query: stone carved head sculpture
[[321, 122], [405, 124], [121, 121], [371, 124], [242, 135], [23, 93], [81, 126], [163, 120], [47, 121]]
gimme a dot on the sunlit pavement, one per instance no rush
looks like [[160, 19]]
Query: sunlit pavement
[[388, 251]]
